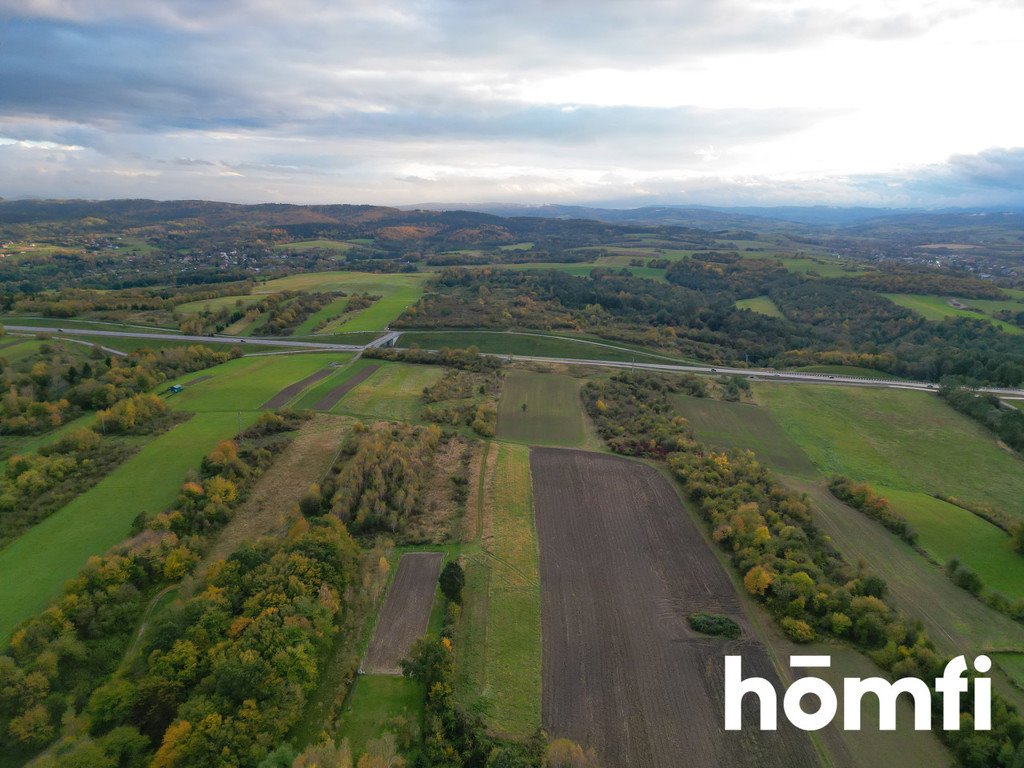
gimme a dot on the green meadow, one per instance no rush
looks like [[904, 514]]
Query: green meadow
[[393, 391], [946, 531], [900, 440], [34, 567], [541, 409], [937, 308], [397, 291], [246, 383], [763, 305]]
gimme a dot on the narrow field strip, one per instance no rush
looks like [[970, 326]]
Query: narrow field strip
[[285, 395], [331, 399], [405, 614]]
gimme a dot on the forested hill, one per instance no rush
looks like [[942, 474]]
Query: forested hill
[[23, 218]]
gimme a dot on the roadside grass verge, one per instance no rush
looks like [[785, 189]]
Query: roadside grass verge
[[532, 343]]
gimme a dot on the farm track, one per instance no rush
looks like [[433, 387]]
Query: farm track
[[622, 564], [405, 614], [283, 397], [331, 399]]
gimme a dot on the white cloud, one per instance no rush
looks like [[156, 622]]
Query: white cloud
[[406, 101]]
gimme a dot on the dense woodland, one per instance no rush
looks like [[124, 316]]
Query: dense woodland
[[824, 321], [62, 658]]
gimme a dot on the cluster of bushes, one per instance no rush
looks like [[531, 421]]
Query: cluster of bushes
[[134, 415], [288, 315], [35, 485], [379, 481], [787, 564], [468, 359], [76, 302], [713, 624], [59, 385], [465, 396], [455, 738], [356, 303], [1007, 423], [863, 498], [58, 658]]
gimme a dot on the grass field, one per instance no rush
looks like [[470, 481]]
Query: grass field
[[331, 311], [553, 414], [761, 304], [394, 391], [955, 620], [337, 246], [34, 567], [246, 383], [192, 307], [532, 343], [747, 427], [900, 440], [819, 266], [947, 531], [397, 292], [498, 644], [373, 705], [938, 308]]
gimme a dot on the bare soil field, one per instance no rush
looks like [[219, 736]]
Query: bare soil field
[[331, 399], [405, 614], [622, 564], [286, 394]]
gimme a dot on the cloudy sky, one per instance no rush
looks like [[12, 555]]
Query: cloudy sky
[[878, 102]]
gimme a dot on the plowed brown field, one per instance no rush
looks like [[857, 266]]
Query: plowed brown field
[[286, 394], [406, 612], [622, 564]]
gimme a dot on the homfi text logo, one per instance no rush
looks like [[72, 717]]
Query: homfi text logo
[[951, 686]]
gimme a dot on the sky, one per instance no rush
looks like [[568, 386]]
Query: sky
[[908, 103]]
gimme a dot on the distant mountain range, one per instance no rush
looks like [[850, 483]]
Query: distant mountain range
[[709, 217]]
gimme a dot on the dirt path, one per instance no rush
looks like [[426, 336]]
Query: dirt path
[[622, 564]]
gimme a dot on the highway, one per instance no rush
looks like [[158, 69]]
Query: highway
[[749, 373], [254, 340]]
